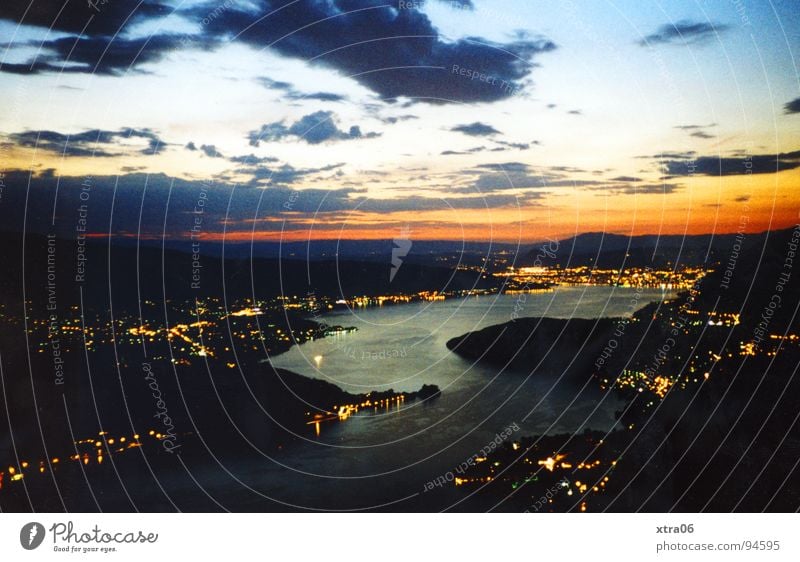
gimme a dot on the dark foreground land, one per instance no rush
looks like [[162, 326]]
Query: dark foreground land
[[710, 380]]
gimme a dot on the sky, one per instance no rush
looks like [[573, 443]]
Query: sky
[[503, 120]]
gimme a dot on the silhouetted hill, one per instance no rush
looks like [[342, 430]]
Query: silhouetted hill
[[612, 251], [124, 275]]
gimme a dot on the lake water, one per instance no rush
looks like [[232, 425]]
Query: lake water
[[388, 456]]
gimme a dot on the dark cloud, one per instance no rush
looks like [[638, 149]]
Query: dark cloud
[[512, 145], [190, 146], [211, 151], [475, 150], [252, 159], [646, 189], [99, 55], [695, 127], [284, 175], [292, 94], [503, 176], [476, 129], [504, 166], [78, 16], [501, 181], [398, 118], [94, 142], [568, 169], [669, 155], [271, 84], [574, 112], [354, 37], [792, 106], [154, 144], [697, 131], [418, 203], [315, 128], [458, 4], [683, 32], [395, 53], [320, 96], [82, 144], [731, 166], [229, 206]]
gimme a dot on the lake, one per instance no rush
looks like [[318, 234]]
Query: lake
[[385, 458]]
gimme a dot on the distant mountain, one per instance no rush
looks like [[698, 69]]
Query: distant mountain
[[361, 250], [129, 275], [608, 251]]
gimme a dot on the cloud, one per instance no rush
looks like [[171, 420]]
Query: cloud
[[792, 106], [105, 55], [504, 166], [669, 155], [211, 151], [81, 144], [284, 175], [154, 144], [503, 176], [646, 189], [252, 159], [271, 84], [319, 96], [512, 145], [397, 119], [731, 166], [569, 169], [419, 203], [458, 4], [476, 129], [504, 146], [395, 53], [697, 131], [292, 94], [683, 32], [315, 128], [91, 143], [78, 16], [695, 127], [190, 146]]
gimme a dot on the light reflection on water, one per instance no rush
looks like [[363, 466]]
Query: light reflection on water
[[403, 347]]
